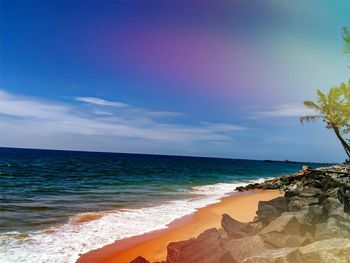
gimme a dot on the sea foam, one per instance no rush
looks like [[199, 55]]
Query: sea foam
[[65, 243]]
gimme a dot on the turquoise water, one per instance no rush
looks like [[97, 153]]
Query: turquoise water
[[133, 193]]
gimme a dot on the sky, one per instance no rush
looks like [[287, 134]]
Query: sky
[[199, 78]]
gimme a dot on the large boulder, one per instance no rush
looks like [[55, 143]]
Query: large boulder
[[331, 204], [287, 223], [245, 247], [339, 214], [281, 240], [335, 250], [316, 214], [253, 228], [267, 213], [280, 203], [206, 248], [272, 256], [297, 203], [232, 227], [227, 258], [269, 210], [330, 229]]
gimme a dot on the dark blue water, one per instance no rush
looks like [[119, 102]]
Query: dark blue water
[[43, 187]]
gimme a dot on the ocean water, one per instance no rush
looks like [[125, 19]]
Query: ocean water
[[55, 205]]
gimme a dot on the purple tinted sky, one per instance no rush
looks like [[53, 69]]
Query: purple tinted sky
[[197, 78]]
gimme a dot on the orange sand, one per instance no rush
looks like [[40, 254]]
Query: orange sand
[[152, 246]]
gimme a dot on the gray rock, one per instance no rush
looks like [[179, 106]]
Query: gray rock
[[267, 213], [280, 203], [297, 203], [280, 240], [316, 214], [335, 250], [272, 256], [245, 247], [232, 227], [253, 227], [330, 229], [339, 214], [227, 258], [206, 248], [286, 223], [331, 204], [269, 210]]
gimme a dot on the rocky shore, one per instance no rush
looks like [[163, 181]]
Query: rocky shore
[[310, 223]]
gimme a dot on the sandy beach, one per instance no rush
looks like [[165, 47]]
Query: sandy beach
[[153, 246]]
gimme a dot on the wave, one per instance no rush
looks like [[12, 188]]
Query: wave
[[89, 231]]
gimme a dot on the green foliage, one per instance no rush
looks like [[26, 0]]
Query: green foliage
[[334, 109]]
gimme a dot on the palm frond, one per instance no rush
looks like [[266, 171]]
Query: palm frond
[[322, 98], [312, 105], [310, 118]]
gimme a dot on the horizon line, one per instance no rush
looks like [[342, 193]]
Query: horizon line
[[170, 155]]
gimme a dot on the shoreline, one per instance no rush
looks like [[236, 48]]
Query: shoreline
[[153, 245]]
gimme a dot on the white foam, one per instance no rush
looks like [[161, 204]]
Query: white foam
[[65, 243]]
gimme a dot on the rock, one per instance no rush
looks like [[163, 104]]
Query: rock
[[298, 203], [272, 256], [267, 213], [245, 247], [316, 214], [331, 203], [206, 248], [272, 186], [330, 229], [232, 227], [269, 210], [253, 227], [227, 258], [286, 223], [344, 197], [335, 250], [280, 240], [304, 168], [279, 203], [339, 214], [139, 260], [176, 250]]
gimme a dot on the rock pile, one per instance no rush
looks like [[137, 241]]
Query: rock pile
[[310, 223]]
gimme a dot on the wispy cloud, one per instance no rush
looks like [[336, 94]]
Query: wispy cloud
[[52, 118], [101, 102], [285, 110]]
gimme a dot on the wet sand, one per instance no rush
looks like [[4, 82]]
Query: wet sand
[[152, 246]]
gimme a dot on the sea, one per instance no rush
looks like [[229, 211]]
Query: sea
[[56, 205]]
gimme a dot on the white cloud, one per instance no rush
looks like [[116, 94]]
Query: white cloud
[[286, 110], [23, 107], [101, 102], [222, 127], [36, 119]]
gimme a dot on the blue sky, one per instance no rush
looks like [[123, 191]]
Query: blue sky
[[207, 79]]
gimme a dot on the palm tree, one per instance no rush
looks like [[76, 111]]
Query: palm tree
[[345, 91], [331, 108]]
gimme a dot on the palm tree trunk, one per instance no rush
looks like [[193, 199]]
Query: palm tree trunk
[[341, 139]]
